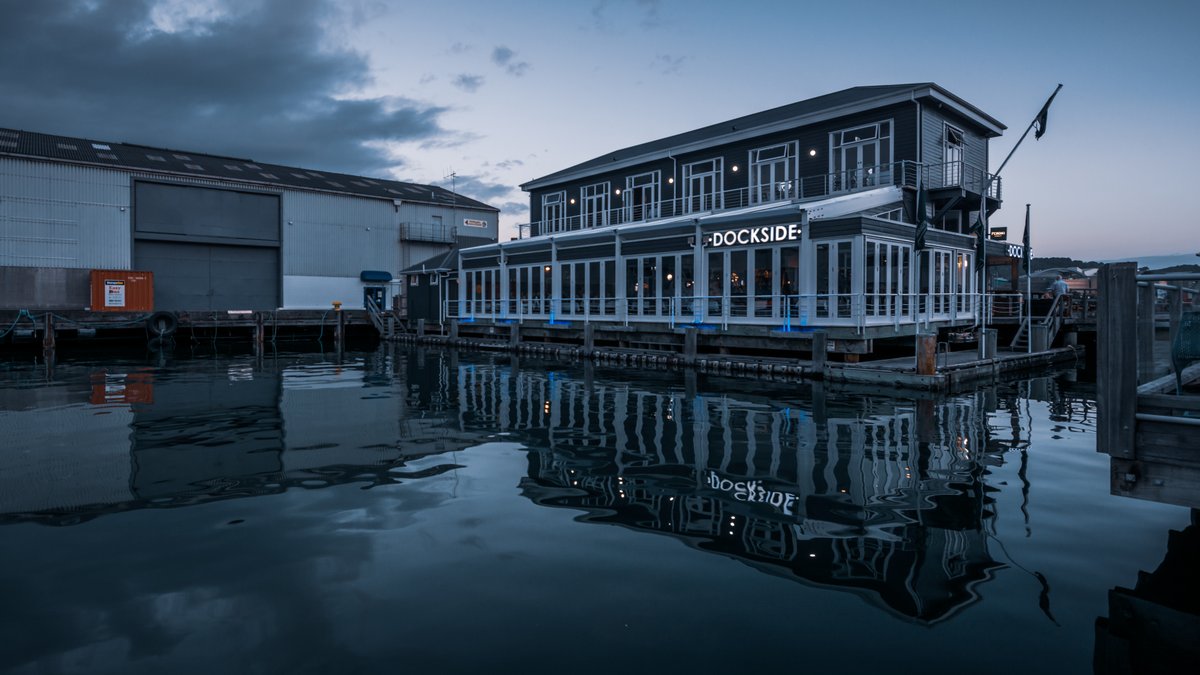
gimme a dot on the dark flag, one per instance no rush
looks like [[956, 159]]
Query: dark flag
[[921, 218], [1040, 120], [1026, 253]]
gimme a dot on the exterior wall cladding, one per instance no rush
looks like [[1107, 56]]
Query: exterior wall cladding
[[812, 137], [62, 215]]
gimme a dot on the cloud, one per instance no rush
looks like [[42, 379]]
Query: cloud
[[468, 83], [258, 80], [508, 164], [460, 48], [650, 17], [480, 187], [505, 58], [667, 64]]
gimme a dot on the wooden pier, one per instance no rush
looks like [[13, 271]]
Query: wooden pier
[[930, 365], [1149, 421]]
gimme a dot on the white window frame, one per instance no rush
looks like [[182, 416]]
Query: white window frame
[[778, 188], [549, 222], [714, 168], [594, 203], [639, 183], [867, 176]]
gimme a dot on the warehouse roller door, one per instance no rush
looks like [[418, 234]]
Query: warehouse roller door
[[210, 277], [210, 249]]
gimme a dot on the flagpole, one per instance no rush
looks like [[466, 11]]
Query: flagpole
[[987, 186], [1027, 263], [1027, 130]]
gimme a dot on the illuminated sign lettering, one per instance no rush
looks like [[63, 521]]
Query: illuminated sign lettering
[[746, 236], [753, 492]]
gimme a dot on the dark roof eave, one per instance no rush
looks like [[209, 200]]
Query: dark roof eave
[[728, 131]]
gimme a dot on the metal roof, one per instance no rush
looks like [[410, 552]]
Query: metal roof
[[838, 103], [30, 144]]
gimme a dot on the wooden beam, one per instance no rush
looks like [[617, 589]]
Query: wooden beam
[[1116, 359]]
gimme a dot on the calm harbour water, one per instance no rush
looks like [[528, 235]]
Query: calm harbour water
[[434, 512]]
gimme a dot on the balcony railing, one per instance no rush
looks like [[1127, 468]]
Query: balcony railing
[[780, 311], [435, 232], [905, 174]]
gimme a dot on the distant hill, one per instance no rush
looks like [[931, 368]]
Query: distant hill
[[1157, 263]]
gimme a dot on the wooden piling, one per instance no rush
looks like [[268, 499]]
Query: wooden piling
[[1116, 359], [927, 353], [1145, 332], [819, 351], [48, 337], [339, 335], [690, 339]]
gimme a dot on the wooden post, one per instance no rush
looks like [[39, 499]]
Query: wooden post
[[1145, 332], [453, 331], [1176, 312], [420, 328], [48, 338], [690, 340], [589, 340], [514, 336], [391, 327], [819, 352], [340, 332], [927, 353], [258, 332], [1116, 359]]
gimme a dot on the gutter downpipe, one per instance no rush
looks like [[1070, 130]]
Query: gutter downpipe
[[920, 167]]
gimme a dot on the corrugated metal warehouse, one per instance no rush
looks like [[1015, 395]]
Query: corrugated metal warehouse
[[218, 233]]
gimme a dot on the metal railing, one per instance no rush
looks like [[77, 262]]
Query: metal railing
[[904, 174], [781, 311], [435, 232]]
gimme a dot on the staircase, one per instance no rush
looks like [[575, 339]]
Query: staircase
[[1053, 322], [377, 318]]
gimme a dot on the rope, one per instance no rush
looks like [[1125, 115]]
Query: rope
[[23, 313]]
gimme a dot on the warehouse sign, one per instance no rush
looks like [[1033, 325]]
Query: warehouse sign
[[767, 234], [114, 293], [472, 222]]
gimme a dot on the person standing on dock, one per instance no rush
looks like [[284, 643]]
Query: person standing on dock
[[1059, 287]]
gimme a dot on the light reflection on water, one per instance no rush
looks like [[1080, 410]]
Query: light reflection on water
[[443, 510]]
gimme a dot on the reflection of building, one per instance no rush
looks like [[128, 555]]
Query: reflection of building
[[226, 429], [883, 498]]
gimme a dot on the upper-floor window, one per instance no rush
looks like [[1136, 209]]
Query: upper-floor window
[[593, 209], [554, 212], [641, 196], [861, 156], [703, 185], [952, 154], [772, 172]]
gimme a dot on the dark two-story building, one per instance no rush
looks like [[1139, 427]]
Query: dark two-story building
[[790, 219]]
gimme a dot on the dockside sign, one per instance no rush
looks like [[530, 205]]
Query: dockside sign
[[767, 234]]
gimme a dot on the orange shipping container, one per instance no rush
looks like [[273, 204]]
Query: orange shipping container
[[122, 291]]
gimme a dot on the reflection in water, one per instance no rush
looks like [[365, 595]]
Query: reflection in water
[[1153, 628], [884, 497]]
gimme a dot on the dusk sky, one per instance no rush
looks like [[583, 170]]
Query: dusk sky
[[501, 93]]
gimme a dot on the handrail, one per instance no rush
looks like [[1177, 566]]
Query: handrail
[[904, 173], [374, 313]]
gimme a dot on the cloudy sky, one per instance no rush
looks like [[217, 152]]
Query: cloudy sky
[[500, 93]]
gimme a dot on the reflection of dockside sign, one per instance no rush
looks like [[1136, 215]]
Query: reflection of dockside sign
[[752, 491], [768, 234]]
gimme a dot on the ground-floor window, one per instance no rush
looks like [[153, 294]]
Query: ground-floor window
[[840, 282], [835, 292], [887, 278]]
